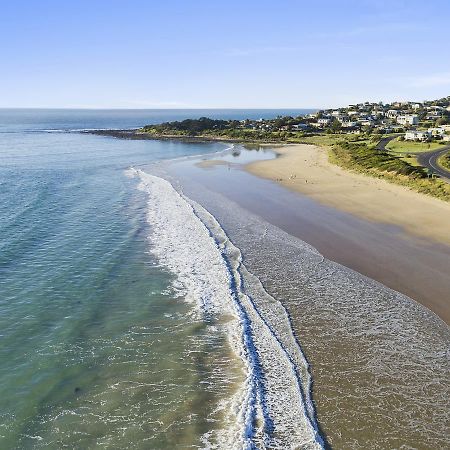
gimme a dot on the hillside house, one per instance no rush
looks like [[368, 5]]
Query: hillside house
[[436, 131], [392, 113], [409, 119], [414, 135]]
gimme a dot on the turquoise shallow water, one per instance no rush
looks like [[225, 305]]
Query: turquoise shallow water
[[96, 348], [130, 317]]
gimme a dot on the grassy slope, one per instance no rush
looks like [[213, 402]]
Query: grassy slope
[[361, 157], [411, 147], [444, 160]]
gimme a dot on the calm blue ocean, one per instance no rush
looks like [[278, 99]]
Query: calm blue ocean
[[96, 348]]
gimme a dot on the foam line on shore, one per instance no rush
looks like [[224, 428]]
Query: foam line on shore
[[273, 408]]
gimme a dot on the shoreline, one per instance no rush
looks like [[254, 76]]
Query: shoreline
[[420, 186], [304, 168], [335, 312], [408, 247], [402, 261]]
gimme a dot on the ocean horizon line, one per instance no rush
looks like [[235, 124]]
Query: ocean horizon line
[[158, 109]]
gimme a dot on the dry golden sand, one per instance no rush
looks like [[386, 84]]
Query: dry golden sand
[[305, 168]]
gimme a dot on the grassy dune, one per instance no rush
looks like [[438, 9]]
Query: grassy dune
[[361, 158]]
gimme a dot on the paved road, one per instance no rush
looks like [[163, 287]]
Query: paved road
[[425, 159], [429, 160], [384, 141]]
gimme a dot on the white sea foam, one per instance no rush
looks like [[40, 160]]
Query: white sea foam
[[273, 408]]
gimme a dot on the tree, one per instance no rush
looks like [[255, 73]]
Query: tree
[[336, 126]]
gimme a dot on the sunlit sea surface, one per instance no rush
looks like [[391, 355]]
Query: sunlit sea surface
[[96, 347], [141, 308]]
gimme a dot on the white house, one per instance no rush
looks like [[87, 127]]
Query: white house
[[392, 113], [436, 131], [433, 116], [324, 121], [299, 127], [409, 119], [366, 122], [348, 124], [415, 135]]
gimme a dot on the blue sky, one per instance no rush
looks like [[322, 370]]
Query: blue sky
[[187, 54]]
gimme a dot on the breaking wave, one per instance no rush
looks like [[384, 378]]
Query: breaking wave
[[273, 407]]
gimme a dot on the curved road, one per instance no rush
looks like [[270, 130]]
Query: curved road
[[429, 160], [385, 141], [425, 159]]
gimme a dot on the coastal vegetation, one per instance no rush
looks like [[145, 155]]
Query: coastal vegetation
[[444, 160], [206, 128], [361, 158], [401, 146], [351, 151], [367, 137]]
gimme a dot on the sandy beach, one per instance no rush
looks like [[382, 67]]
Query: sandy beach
[[305, 168], [367, 345], [414, 264]]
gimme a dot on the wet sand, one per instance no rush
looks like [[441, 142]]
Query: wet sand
[[305, 168], [407, 263], [377, 359]]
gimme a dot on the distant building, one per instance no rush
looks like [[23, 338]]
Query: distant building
[[410, 119], [366, 122], [324, 121], [415, 135], [392, 113], [299, 127], [436, 131]]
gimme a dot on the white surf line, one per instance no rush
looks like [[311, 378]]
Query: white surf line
[[275, 410], [295, 357], [181, 243]]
